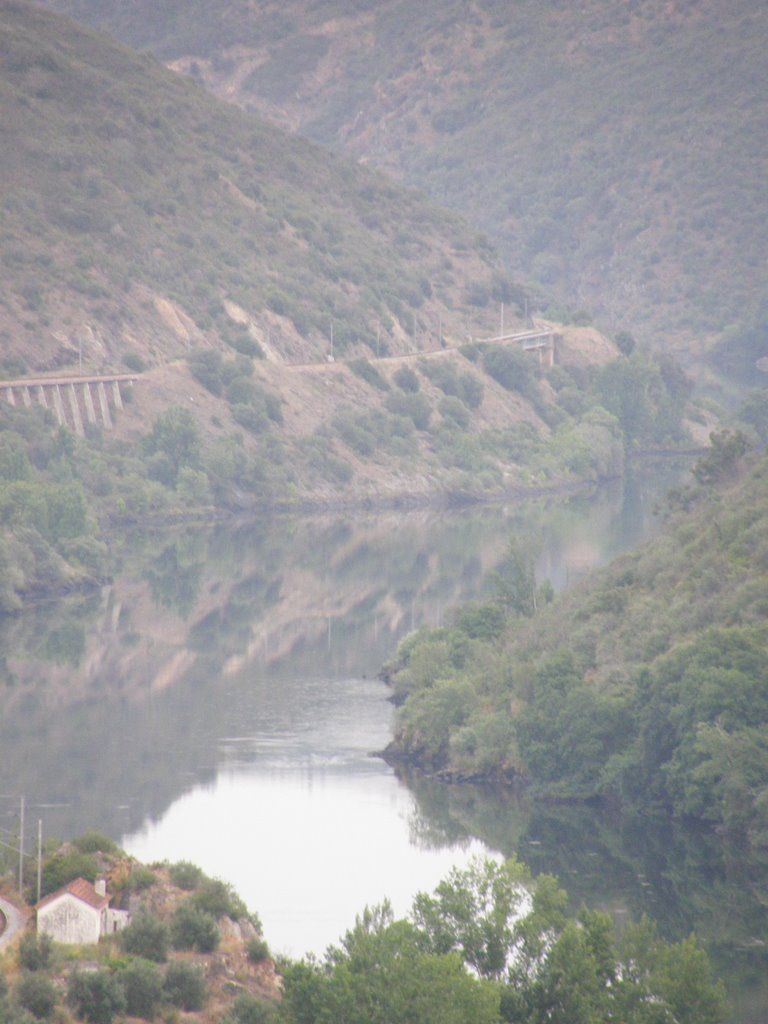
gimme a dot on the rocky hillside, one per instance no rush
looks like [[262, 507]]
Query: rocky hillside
[[141, 217], [615, 151]]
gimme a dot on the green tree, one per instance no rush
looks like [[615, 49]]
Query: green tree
[[176, 440], [142, 985], [35, 951], [95, 997], [184, 986], [473, 912], [515, 581], [146, 937], [192, 928], [36, 993]]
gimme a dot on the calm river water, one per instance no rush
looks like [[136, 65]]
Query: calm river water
[[218, 703]]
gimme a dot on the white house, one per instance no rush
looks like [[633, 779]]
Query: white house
[[79, 913]]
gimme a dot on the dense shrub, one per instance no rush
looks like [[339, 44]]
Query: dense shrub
[[454, 411], [146, 937], [184, 986], [508, 367], [35, 951], [142, 985], [96, 997], [36, 993], [185, 875], [415, 407], [248, 1009], [219, 899], [365, 369], [407, 380], [66, 867], [94, 842], [192, 928], [140, 878], [258, 950]]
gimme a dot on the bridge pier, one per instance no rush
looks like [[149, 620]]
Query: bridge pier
[[106, 419], [75, 400], [77, 419], [90, 412], [58, 405]]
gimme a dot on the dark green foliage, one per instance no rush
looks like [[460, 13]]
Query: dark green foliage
[[95, 997], [146, 937], [406, 380], [258, 950], [647, 686], [248, 1009], [415, 406], [508, 367], [365, 369], [192, 928], [140, 878], [219, 899], [184, 986], [94, 842], [35, 951], [142, 984], [727, 448], [173, 443], [36, 993], [185, 875], [66, 867], [515, 581], [625, 343], [480, 621], [454, 412], [133, 361]]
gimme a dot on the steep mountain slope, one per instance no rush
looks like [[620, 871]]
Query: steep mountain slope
[[140, 215], [615, 151]]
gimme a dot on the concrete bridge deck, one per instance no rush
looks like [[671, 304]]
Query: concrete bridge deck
[[73, 399]]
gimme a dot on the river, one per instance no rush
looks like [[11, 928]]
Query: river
[[218, 703]]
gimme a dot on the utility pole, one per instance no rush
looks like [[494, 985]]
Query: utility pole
[[21, 845], [39, 857], [331, 340]]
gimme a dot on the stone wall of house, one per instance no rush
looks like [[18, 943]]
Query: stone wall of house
[[70, 920]]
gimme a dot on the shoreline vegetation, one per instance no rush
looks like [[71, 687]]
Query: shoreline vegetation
[[644, 686], [491, 945]]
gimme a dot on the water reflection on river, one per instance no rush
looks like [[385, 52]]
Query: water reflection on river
[[217, 703]]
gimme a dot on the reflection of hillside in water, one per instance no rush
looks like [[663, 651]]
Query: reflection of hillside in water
[[114, 704], [686, 878]]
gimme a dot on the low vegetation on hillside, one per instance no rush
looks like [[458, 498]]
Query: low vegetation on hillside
[[646, 685], [490, 945], [615, 152], [141, 217], [478, 422]]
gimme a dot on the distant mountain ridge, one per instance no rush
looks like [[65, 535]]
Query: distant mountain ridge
[[615, 151]]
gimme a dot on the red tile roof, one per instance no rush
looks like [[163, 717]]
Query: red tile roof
[[82, 890]]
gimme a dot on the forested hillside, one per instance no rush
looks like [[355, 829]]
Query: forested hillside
[[646, 685], [614, 151]]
